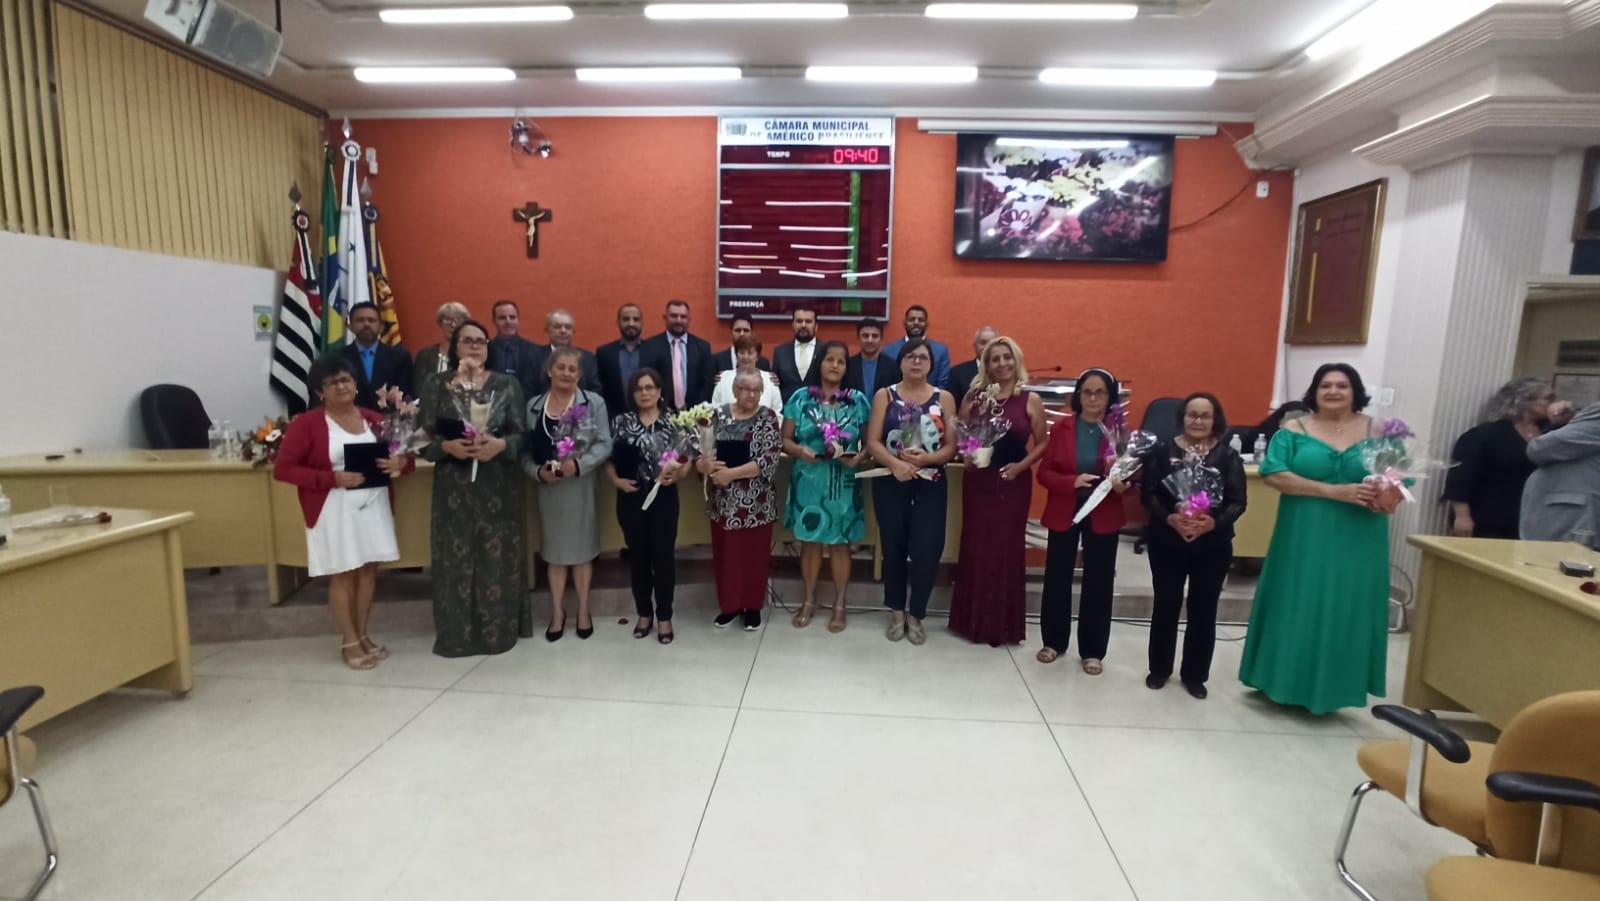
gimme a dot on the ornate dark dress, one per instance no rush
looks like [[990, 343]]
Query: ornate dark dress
[[989, 604]]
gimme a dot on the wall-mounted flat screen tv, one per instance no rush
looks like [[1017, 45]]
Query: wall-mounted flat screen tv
[[1063, 197]]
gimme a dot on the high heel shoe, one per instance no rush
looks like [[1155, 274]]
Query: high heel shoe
[[642, 627], [555, 635], [583, 634]]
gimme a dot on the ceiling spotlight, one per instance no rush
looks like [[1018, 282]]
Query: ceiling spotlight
[[529, 139]]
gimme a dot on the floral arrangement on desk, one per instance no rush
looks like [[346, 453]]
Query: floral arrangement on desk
[[261, 447]]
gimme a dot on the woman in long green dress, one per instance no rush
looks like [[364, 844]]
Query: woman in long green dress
[[1319, 627], [824, 508], [480, 583]]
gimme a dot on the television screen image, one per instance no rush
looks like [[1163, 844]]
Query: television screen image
[[1063, 197]]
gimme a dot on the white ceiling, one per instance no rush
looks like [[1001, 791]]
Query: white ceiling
[[1255, 43]]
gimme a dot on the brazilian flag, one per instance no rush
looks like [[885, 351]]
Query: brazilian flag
[[335, 306]]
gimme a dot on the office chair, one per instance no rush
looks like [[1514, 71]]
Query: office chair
[[174, 418], [1442, 777], [1477, 879], [16, 756]]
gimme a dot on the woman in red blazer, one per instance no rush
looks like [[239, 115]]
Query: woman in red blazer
[[1074, 460], [349, 529]]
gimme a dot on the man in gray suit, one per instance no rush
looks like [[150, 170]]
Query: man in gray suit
[[1561, 501]]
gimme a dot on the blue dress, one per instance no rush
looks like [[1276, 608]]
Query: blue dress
[[825, 504]]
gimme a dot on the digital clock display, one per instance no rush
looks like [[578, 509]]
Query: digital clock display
[[805, 155]]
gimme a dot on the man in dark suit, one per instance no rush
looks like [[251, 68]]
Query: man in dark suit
[[961, 375], [791, 361], [513, 354], [687, 378], [377, 364], [870, 369], [560, 327], [619, 360], [727, 360]]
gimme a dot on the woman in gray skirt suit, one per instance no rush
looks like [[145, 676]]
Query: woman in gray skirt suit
[[565, 475]]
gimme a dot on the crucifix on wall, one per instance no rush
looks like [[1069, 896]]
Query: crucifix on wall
[[532, 214]]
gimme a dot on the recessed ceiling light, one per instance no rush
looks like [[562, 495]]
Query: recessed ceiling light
[[469, 15], [1031, 10], [746, 11], [661, 73], [1130, 78], [894, 74], [431, 74]]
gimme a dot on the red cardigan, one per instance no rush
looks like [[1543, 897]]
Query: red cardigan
[[1058, 470], [303, 459]]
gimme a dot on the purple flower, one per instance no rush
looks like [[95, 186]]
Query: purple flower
[[565, 447], [575, 414], [1395, 428]]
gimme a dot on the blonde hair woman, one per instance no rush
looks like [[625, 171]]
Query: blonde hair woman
[[989, 604]]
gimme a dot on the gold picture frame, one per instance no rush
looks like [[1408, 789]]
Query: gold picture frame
[[1335, 263]]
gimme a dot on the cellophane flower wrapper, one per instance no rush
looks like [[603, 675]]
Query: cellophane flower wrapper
[[907, 436], [1197, 488], [474, 407], [574, 433], [841, 433], [664, 448], [1394, 457], [399, 429], [984, 424]]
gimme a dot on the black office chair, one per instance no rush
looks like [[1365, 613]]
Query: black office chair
[[16, 754], [1160, 420], [174, 418]]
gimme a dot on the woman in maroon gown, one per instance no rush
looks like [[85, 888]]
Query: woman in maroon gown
[[990, 601]]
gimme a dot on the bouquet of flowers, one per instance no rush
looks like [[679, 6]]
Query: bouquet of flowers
[[1124, 454], [261, 447], [473, 406], [916, 431], [697, 431], [1393, 456], [841, 434], [669, 458], [399, 429], [984, 424], [573, 434], [1197, 487]]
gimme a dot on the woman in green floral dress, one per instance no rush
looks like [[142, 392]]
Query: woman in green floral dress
[[480, 583], [822, 430]]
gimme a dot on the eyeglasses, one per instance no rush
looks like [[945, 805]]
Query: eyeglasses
[[1093, 392], [338, 381], [746, 389], [473, 342], [1199, 417], [917, 358]]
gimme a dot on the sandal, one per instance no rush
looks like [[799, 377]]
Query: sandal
[[642, 627], [664, 636], [802, 617], [1046, 655], [836, 620], [1093, 667], [373, 648], [363, 662]]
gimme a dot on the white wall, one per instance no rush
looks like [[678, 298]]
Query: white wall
[[1319, 177], [1563, 208], [84, 328]]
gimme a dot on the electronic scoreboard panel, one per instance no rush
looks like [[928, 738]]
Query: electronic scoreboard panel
[[804, 215]]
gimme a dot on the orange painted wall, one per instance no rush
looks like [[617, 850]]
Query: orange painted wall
[[635, 220]]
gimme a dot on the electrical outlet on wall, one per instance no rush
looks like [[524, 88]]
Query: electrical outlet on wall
[[1262, 187], [1385, 396]]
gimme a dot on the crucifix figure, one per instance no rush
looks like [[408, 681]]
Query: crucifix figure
[[531, 213]]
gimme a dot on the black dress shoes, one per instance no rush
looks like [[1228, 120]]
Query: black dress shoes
[[1154, 681], [1197, 690]]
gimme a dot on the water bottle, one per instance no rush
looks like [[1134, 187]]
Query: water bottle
[[1236, 443], [5, 517], [215, 441], [231, 449], [1260, 452]]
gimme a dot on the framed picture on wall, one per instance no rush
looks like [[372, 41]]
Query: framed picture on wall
[[1335, 259], [1586, 224]]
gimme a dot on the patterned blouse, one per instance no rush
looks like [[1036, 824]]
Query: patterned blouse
[[921, 423], [748, 503], [639, 447]]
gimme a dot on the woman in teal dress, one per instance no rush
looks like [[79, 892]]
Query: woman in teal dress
[[824, 508], [1319, 627]]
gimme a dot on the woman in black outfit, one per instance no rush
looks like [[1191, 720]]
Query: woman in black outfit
[[638, 440], [1197, 550], [1484, 488]]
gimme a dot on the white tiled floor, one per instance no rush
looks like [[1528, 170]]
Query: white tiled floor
[[777, 765]]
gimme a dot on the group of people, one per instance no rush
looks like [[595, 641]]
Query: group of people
[[1318, 624]]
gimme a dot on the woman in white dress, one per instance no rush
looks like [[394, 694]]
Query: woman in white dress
[[748, 349], [349, 528]]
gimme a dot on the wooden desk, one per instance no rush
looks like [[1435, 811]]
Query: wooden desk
[[231, 502], [1497, 626], [87, 609], [1252, 534]]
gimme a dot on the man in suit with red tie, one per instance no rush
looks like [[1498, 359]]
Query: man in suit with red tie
[[683, 360]]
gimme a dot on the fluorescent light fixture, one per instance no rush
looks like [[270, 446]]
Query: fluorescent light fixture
[[1389, 27], [1064, 143], [474, 15], [432, 74], [661, 73], [1031, 10], [1130, 78], [893, 74], [684, 11], [1060, 126]]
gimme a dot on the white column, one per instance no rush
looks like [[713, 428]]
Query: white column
[[1475, 230]]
